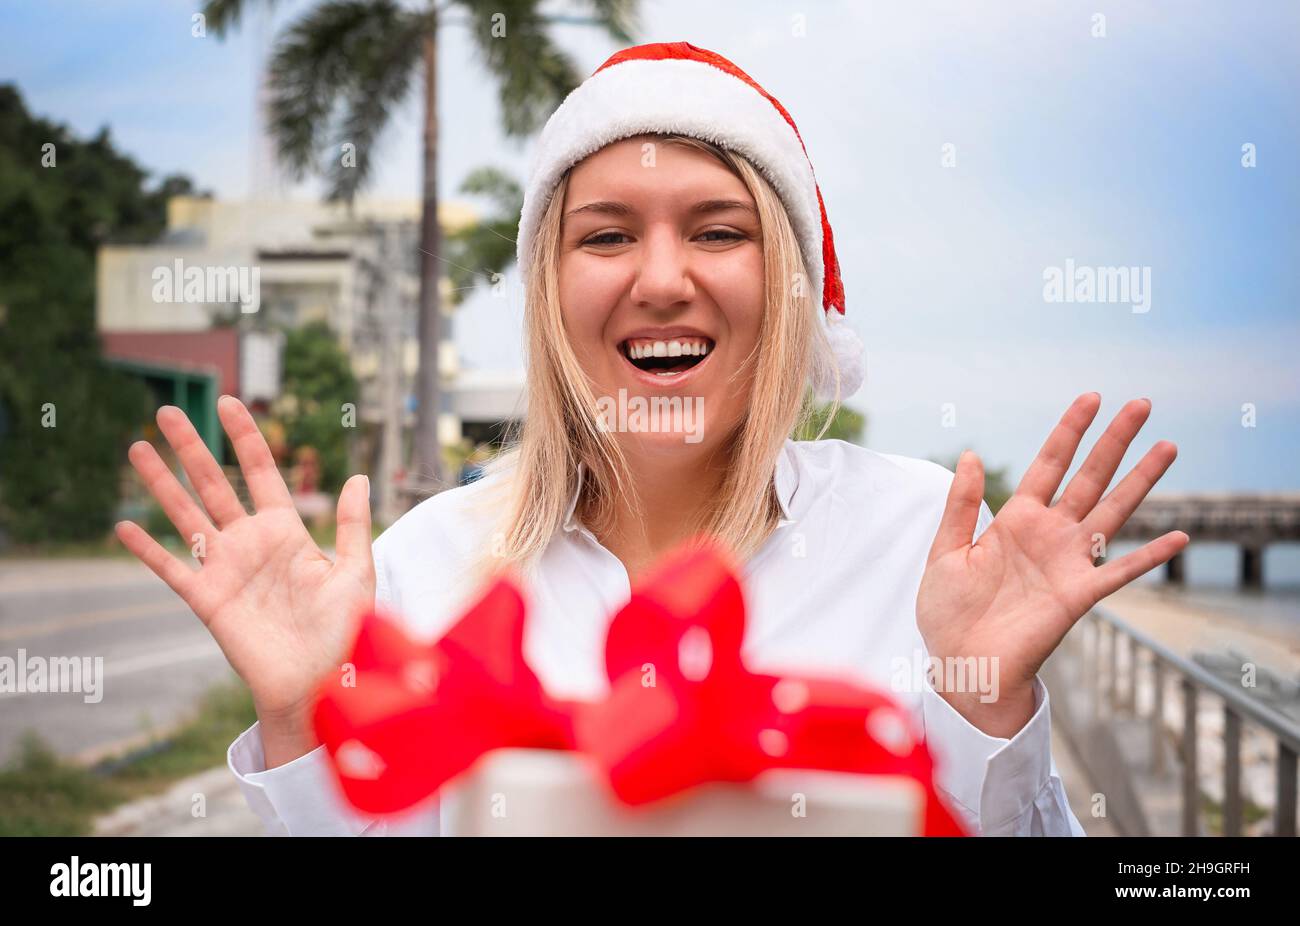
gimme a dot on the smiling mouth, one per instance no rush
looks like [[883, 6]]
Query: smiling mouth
[[668, 357]]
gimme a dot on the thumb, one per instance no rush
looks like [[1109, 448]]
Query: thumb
[[962, 510], [352, 531]]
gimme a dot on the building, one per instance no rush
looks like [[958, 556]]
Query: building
[[201, 312]]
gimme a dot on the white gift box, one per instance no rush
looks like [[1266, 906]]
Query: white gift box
[[543, 792]]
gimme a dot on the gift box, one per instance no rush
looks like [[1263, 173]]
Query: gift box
[[544, 792], [687, 740]]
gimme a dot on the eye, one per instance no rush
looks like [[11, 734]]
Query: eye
[[605, 239], [724, 234]]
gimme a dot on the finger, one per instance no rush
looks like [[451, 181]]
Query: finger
[[352, 534], [265, 484], [1110, 577], [1116, 508], [205, 475], [1088, 484], [163, 485], [177, 575], [1048, 469], [962, 510]]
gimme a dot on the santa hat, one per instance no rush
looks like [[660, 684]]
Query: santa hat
[[675, 87]]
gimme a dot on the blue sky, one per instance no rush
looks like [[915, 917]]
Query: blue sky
[[1122, 150]]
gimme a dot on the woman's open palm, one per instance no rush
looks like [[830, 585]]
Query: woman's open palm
[[1017, 590], [282, 612]]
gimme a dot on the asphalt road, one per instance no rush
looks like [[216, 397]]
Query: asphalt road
[[157, 657]]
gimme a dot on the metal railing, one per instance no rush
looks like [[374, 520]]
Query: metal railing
[[1103, 632]]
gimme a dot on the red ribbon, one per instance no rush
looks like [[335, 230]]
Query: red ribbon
[[682, 709]]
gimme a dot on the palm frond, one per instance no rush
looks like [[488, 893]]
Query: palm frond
[[532, 73], [336, 77], [222, 16], [504, 190], [618, 17], [487, 247]]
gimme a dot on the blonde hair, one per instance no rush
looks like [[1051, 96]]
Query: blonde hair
[[561, 428]]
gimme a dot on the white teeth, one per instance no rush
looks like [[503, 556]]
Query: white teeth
[[682, 347]]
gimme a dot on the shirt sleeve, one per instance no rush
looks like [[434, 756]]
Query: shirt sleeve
[[999, 786], [301, 798]]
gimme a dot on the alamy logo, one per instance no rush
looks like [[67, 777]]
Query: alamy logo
[[961, 674], [1123, 285], [103, 879], [207, 285], [659, 414], [25, 674]]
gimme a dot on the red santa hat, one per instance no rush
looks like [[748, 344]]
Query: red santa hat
[[675, 87]]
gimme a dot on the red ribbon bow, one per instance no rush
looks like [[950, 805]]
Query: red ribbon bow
[[682, 709]]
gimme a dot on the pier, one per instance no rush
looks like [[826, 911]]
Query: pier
[[1250, 520]]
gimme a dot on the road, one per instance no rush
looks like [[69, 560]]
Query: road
[[157, 658]]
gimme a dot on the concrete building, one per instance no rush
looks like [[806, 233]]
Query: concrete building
[[202, 311]]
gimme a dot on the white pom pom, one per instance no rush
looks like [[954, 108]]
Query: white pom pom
[[848, 357]]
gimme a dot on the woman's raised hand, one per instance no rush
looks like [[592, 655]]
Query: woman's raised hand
[[281, 611], [1015, 593]]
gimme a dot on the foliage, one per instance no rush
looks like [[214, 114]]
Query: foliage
[[341, 70], [996, 487], [845, 423], [65, 416], [484, 249], [318, 384]]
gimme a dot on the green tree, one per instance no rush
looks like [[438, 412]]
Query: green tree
[[482, 250], [318, 384], [345, 65], [997, 489], [65, 417], [845, 424]]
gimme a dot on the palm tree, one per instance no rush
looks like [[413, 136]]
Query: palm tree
[[344, 66], [482, 250]]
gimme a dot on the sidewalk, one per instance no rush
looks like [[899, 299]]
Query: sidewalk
[[1077, 788], [173, 812]]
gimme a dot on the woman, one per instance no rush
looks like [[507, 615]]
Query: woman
[[678, 259]]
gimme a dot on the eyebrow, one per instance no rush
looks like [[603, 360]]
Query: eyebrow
[[611, 207], [722, 205]]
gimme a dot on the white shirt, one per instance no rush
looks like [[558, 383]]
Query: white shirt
[[833, 589]]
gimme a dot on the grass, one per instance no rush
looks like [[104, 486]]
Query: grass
[[44, 795]]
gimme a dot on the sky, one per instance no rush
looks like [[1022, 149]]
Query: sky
[[1122, 149]]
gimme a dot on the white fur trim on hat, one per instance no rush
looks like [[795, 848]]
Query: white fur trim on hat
[[684, 97]]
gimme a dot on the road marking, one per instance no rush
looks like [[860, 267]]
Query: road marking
[[208, 648], [46, 627]]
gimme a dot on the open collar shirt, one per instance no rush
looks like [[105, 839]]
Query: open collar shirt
[[832, 590]]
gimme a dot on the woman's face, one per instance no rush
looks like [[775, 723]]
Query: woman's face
[[661, 288]]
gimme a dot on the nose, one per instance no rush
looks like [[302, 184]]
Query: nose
[[663, 279]]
